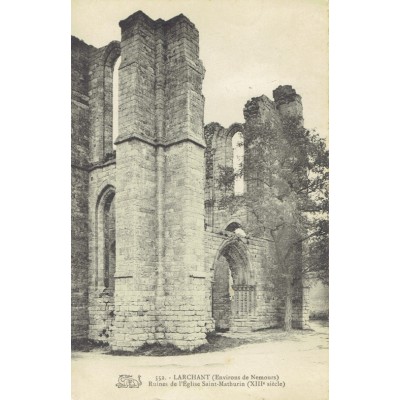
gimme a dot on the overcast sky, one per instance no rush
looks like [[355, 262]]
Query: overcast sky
[[248, 47]]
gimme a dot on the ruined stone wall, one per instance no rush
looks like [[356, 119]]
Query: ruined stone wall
[[219, 153], [79, 186], [270, 292], [264, 307], [157, 195], [101, 299], [91, 154], [156, 178], [288, 102]]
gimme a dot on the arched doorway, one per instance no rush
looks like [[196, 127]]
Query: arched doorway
[[233, 294]]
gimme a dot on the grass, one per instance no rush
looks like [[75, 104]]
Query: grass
[[87, 345], [215, 342]]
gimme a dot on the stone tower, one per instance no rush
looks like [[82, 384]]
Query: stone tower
[[159, 279], [288, 102]]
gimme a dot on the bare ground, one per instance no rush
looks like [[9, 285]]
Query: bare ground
[[299, 358]]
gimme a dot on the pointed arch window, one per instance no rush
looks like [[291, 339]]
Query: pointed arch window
[[105, 242], [238, 157], [115, 100]]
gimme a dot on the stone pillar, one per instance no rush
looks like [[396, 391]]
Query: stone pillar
[[136, 196], [184, 188], [160, 278]]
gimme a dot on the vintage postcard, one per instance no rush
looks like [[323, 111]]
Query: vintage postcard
[[199, 199]]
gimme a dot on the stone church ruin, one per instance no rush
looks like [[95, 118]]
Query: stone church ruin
[[154, 258]]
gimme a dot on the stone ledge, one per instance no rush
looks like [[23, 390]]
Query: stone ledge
[[154, 143]]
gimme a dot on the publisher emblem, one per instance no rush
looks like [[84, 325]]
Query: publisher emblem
[[127, 381]]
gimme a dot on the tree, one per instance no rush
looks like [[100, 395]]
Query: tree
[[285, 167]]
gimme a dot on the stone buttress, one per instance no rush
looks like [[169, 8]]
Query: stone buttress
[[159, 279]]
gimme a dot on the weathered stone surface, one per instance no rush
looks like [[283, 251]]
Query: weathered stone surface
[[80, 186], [288, 102], [154, 259]]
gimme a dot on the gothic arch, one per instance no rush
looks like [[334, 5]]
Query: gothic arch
[[111, 55], [105, 239], [101, 100], [236, 251], [233, 286], [233, 129], [222, 137]]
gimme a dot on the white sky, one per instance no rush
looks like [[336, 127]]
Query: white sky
[[248, 47]]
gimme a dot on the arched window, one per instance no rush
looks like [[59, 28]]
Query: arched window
[[105, 240], [110, 96], [238, 156], [115, 100], [101, 84], [109, 242]]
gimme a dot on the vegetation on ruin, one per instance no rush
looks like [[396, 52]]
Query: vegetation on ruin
[[285, 168]]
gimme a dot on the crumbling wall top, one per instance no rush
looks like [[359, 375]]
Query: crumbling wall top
[[285, 94], [259, 107], [141, 16], [76, 42]]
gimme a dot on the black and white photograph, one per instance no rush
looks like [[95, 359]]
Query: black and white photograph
[[199, 200], [170, 230]]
